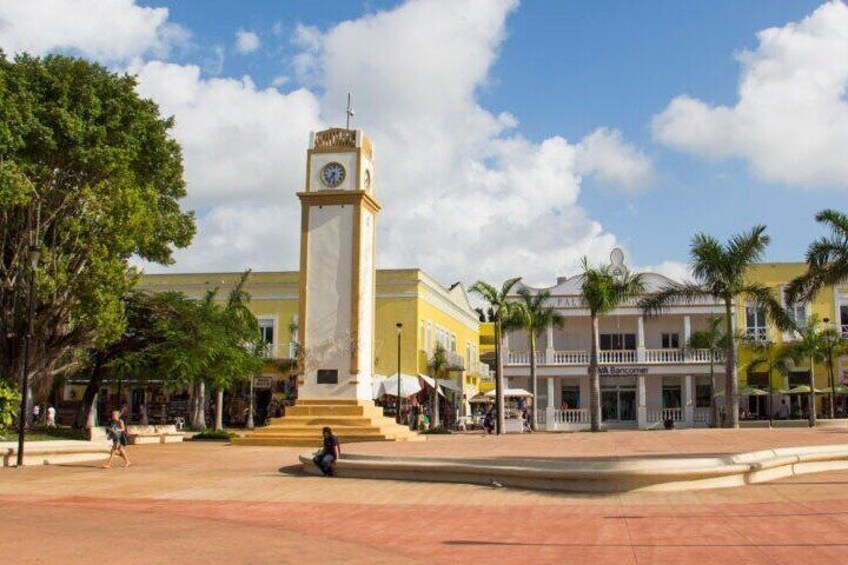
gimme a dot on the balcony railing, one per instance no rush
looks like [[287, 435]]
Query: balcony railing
[[674, 414], [756, 333], [286, 350], [617, 357], [456, 362]]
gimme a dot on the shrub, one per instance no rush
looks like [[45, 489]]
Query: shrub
[[10, 401], [437, 431]]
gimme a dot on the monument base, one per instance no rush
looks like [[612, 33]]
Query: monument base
[[351, 421]]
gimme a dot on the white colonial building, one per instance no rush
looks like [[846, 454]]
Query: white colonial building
[[647, 372]]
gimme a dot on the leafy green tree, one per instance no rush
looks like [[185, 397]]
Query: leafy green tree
[[603, 291], [771, 357], [438, 365], [714, 340], [90, 175], [532, 314], [10, 400], [501, 311], [719, 272], [809, 346], [827, 259]]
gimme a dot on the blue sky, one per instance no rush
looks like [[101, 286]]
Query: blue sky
[[535, 80]]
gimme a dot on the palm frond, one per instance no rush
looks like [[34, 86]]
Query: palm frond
[[655, 303], [835, 220], [708, 258], [764, 297], [747, 248]]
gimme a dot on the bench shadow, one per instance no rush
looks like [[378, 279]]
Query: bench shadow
[[295, 470]]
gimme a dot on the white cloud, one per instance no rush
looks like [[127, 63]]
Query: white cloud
[[247, 41], [240, 143], [465, 195], [675, 270], [115, 30], [791, 120], [607, 155]]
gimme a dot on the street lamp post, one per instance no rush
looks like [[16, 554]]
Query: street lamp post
[[399, 326], [831, 380], [34, 255]]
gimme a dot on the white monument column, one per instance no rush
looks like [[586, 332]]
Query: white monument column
[[337, 269]]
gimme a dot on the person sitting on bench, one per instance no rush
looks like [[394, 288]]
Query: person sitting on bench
[[326, 458]]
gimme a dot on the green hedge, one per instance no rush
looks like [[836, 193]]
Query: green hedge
[[214, 435]]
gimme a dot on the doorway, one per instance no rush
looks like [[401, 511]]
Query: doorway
[[618, 404]]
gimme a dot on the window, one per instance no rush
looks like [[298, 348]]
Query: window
[[611, 342], [755, 322], [670, 341], [797, 313], [429, 336], [570, 397], [671, 396], [266, 330], [702, 395], [843, 318]]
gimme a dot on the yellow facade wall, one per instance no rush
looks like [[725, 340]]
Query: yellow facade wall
[[776, 276]]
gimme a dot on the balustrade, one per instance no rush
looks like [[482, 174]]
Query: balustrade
[[617, 357]]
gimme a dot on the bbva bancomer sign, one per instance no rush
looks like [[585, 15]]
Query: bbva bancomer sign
[[613, 371]]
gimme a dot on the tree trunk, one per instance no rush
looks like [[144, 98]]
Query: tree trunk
[[219, 410], [533, 381], [713, 403], [812, 401], [831, 381], [198, 418], [250, 424], [84, 415], [731, 375], [594, 380], [499, 384], [434, 421]]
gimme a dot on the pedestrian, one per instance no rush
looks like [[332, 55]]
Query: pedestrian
[[330, 452], [51, 417], [488, 423], [118, 434], [783, 410], [36, 413]]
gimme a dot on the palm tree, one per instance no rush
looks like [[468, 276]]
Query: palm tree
[[810, 346], [834, 344], [769, 356], [827, 259], [712, 339], [719, 272], [533, 315], [501, 311], [438, 366], [603, 291]]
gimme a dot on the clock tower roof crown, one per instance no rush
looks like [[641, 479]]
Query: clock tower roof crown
[[335, 140]]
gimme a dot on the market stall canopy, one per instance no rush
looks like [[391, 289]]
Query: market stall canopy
[[430, 382], [511, 393], [482, 399], [409, 385], [800, 389], [450, 385], [749, 391], [838, 389], [377, 386]]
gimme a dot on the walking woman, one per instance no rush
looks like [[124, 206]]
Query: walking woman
[[118, 435]]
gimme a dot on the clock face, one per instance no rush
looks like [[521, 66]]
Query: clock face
[[367, 181], [333, 174]]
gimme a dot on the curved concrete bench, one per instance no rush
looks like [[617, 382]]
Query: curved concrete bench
[[600, 474]]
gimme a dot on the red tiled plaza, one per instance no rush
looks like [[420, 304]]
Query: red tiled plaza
[[200, 502]]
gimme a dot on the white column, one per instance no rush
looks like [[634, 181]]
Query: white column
[[550, 392], [688, 401], [641, 404], [549, 345], [640, 339]]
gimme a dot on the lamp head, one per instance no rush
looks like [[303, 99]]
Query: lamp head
[[826, 320], [399, 326]]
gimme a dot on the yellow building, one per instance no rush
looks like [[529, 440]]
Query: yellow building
[[831, 307], [431, 314]]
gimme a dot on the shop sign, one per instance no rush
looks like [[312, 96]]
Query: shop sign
[[613, 371], [262, 382]]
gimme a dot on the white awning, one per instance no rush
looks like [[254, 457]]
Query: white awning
[[431, 383], [409, 385], [511, 393]]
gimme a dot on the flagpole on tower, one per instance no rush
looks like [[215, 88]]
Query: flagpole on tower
[[349, 111]]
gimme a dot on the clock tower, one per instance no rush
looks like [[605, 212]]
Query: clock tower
[[336, 318], [337, 267]]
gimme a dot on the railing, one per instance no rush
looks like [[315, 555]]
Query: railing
[[570, 358], [652, 357], [663, 414], [617, 356], [286, 350], [455, 360], [702, 415], [664, 356], [756, 333], [571, 416]]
